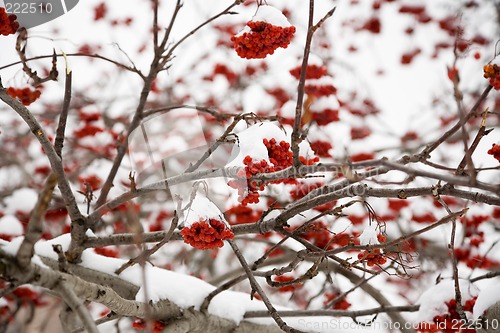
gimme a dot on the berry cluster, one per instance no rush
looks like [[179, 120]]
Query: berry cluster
[[424, 218], [495, 150], [26, 296], [221, 69], [93, 181], [107, 252], [279, 154], [320, 90], [474, 237], [317, 233], [242, 214], [8, 24], [247, 189], [205, 235], [140, 324], [372, 257], [312, 71], [281, 158], [325, 117], [492, 72], [448, 322], [372, 25], [321, 148], [285, 280], [340, 304], [263, 39], [25, 95], [358, 133], [308, 161]]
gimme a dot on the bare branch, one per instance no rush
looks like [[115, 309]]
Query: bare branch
[[337, 313]]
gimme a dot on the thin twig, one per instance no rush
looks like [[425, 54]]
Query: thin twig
[[336, 313], [97, 56], [431, 147], [215, 145], [256, 287], [171, 50], [144, 256], [488, 275], [480, 134], [296, 136], [63, 117], [456, 279]]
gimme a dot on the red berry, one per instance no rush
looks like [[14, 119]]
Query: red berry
[[8, 24], [25, 95], [263, 39], [495, 151], [206, 235]]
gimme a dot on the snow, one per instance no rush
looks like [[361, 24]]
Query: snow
[[200, 209], [271, 15], [486, 298], [183, 290], [21, 200], [250, 143], [432, 301], [369, 235], [232, 305], [322, 103], [10, 225], [314, 60], [13, 246]]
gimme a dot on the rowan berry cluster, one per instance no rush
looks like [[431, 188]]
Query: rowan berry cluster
[[492, 72], [358, 133], [8, 24], [317, 233], [320, 90], [140, 324], [308, 161], [221, 69], [321, 148], [448, 322], [107, 252], [93, 181], [26, 296], [474, 261], [340, 304], [205, 235], [281, 158], [325, 117], [279, 154], [312, 71], [495, 151], [25, 95], [262, 39], [247, 189], [372, 257], [283, 279], [242, 214]]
